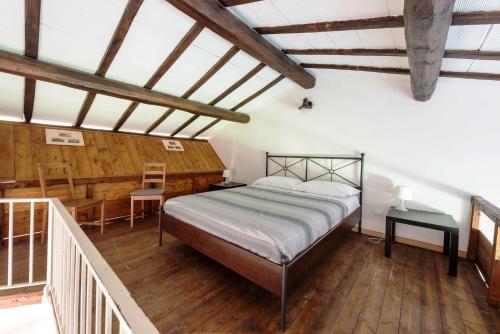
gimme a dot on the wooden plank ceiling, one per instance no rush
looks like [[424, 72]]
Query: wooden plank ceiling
[[210, 60]]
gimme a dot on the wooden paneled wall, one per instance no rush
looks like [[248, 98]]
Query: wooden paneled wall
[[109, 166]]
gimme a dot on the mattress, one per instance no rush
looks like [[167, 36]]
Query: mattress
[[275, 224]]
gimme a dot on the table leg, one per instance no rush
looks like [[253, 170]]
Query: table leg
[[393, 232], [446, 243], [388, 237], [453, 255]]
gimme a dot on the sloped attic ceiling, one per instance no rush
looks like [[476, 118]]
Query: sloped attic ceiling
[[77, 34], [286, 12]]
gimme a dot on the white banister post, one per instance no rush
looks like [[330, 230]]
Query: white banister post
[[49, 243]]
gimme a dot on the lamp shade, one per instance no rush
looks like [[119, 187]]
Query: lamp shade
[[404, 193], [226, 173]]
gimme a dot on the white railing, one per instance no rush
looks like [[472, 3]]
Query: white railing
[[86, 294]]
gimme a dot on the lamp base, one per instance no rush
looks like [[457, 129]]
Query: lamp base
[[401, 206]]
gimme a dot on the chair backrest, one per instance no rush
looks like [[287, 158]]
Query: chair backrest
[[154, 172], [53, 171]]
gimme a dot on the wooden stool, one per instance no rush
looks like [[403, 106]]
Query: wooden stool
[[73, 205], [154, 172]]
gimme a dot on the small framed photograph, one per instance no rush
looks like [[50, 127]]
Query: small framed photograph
[[64, 137], [172, 145]]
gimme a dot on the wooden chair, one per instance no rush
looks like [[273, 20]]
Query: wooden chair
[[154, 172], [72, 204]]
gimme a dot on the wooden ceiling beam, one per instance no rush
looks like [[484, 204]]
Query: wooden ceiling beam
[[426, 30], [474, 18], [217, 18], [114, 45], [184, 125], [228, 91], [31, 40], [214, 69], [229, 3], [235, 86], [35, 69], [176, 53], [392, 70], [456, 54], [258, 93], [208, 126]]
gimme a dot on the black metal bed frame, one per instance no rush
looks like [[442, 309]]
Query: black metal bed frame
[[285, 168]]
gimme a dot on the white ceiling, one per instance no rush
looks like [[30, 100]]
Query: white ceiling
[[283, 12], [73, 33]]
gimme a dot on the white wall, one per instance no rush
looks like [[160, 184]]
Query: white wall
[[446, 149]]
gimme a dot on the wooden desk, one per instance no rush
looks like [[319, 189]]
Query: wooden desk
[[434, 221]]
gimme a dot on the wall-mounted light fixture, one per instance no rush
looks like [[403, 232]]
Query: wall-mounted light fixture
[[306, 104]]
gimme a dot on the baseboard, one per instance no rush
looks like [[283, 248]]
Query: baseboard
[[411, 242]]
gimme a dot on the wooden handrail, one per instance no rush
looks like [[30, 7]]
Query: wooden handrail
[[489, 209], [488, 260]]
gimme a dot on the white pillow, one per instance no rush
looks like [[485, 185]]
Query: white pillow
[[281, 182], [327, 188]]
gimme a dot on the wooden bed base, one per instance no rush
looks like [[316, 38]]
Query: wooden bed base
[[281, 280]]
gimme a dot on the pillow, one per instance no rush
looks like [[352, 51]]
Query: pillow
[[281, 182], [327, 188]]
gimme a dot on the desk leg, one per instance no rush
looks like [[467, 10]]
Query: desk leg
[[393, 232], [388, 237], [453, 255], [446, 243]]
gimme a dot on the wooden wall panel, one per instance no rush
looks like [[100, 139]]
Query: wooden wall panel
[[7, 152], [108, 167]]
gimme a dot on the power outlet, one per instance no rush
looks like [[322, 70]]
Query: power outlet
[[379, 212]]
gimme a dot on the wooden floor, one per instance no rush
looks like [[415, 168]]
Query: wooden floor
[[355, 290]]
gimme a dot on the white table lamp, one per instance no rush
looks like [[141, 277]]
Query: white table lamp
[[227, 175], [403, 193]]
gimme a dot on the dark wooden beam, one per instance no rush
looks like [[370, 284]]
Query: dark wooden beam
[[35, 69], [426, 31], [176, 53], [228, 91], [347, 52], [231, 89], [31, 39], [214, 69], [229, 3], [258, 93], [237, 84], [217, 18], [114, 45], [457, 54], [184, 125], [208, 126], [391, 70], [474, 18]]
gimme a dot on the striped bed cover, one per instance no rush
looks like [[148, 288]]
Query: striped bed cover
[[275, 224]]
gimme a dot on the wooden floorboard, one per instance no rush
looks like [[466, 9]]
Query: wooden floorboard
[[355, 289]]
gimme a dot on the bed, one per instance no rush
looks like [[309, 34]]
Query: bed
[[270, 236]]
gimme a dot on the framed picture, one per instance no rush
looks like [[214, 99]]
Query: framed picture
[[172, 145], [64, 137]]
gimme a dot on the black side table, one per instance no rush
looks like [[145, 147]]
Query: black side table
[[224, 185], [434, 221]]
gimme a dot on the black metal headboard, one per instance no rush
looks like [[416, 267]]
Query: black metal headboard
[[300, 166]]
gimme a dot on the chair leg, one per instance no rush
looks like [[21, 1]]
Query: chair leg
[[44, 222], [102, 217], [131, 213], [142, 214]]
